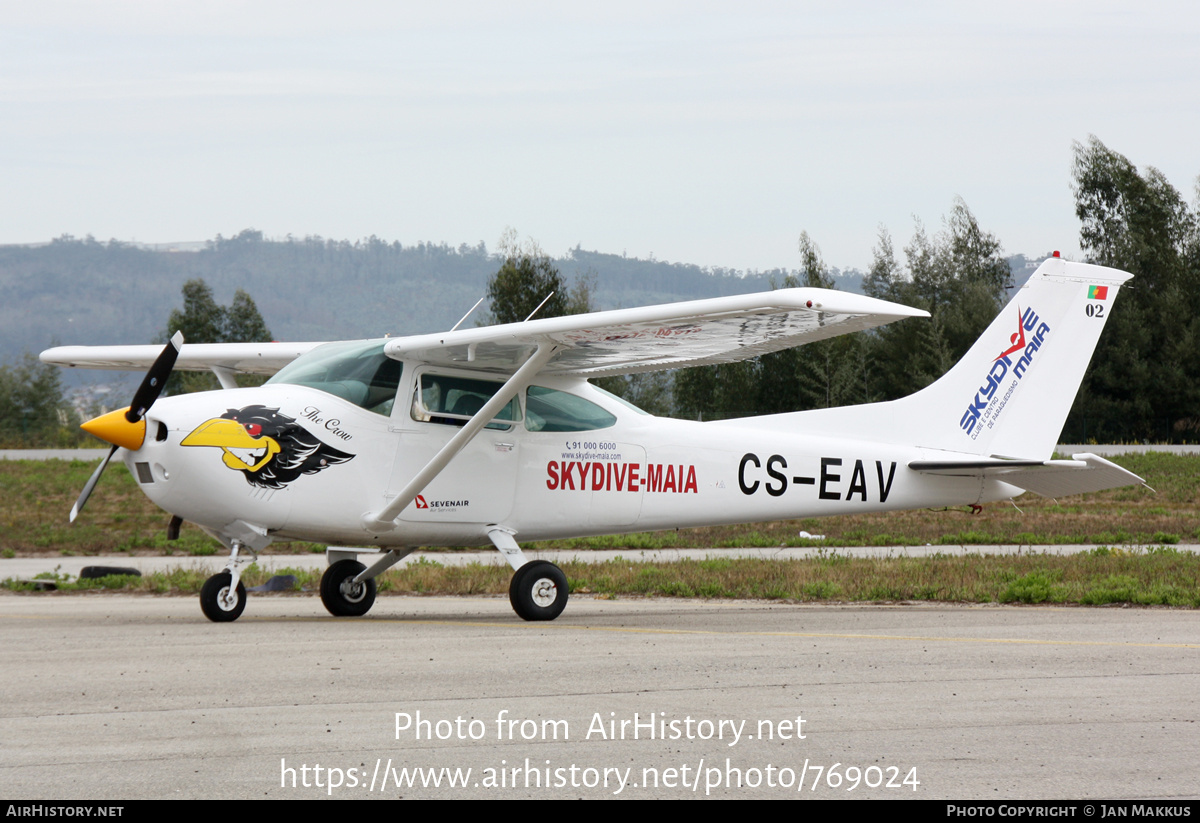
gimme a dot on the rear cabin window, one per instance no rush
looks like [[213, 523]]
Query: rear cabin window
[[549, 410]]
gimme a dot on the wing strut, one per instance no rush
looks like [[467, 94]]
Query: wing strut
[[384, 520], [225, 376]]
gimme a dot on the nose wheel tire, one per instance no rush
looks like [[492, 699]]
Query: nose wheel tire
[[341, 595], [538, 591], [219, 601]]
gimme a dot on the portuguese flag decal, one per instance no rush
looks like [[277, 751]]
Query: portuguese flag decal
[[1097, 292]]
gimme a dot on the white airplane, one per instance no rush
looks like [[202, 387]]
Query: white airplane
[[484, 435]]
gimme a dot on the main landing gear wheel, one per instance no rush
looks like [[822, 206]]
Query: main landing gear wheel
[[538, 591], [218, 602], [341, 595]]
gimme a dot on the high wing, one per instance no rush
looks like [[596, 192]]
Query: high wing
[[695, 333], [1085, 472], [624, 341], [249, 358]]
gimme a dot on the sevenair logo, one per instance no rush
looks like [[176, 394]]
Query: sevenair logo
[[268, 447], [1007, 371], [440, 505]]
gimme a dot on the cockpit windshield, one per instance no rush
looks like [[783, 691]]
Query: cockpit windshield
[[357, 371]]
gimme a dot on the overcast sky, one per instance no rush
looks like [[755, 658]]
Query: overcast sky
[[708, 133]]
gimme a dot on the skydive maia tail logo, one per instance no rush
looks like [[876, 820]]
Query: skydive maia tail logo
[[988, 401], [1018, 339]]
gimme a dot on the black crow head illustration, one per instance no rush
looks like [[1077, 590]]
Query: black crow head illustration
[[269, 448]]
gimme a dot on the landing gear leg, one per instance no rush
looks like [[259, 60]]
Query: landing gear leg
[[223, 597]]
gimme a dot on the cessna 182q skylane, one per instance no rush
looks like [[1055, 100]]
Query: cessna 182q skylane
[[491, 434]]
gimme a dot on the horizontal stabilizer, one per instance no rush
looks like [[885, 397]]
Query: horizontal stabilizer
[[1049, 478]]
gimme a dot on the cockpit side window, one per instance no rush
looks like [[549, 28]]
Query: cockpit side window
[[550, 410], [356, 371], [454, 400]]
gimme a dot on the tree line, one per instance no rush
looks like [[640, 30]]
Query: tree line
[[1144, 381]]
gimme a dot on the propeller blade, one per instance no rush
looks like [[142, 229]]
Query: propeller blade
[[151, 387], [155, 380], [91, 484]]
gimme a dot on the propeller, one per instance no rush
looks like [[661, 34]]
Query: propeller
[[91, 484], [155, 379], [127, 427]]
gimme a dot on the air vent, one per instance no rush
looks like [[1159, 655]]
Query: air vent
[[143, 472]]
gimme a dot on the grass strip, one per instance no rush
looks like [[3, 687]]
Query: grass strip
[[1161, 576]]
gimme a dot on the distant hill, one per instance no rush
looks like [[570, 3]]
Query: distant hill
[[73, 291]]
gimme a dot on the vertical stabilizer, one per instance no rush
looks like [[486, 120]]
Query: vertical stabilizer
[[1010, 394]]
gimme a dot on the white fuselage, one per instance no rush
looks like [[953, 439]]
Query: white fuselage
[[641, 473]]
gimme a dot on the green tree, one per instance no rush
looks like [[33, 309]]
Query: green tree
[[816, 375], [33, 409], [1144, 382], [650, 391], [243, 323], [202, 320], [829, 372], [778, 375], [975, 278], [884, 277], [959, 276], [906, 356], [716, 392], [524, 280]]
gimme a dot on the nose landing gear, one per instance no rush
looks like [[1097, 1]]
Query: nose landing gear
[[221, 600], [223, 596]]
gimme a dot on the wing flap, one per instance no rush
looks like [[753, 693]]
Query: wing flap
[[1050, 478], [625, 341]]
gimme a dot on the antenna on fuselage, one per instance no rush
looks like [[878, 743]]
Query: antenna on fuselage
[[468, 314], [539, 305]]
